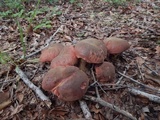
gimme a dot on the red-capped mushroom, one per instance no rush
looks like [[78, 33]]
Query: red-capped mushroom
[[105, 72], [68, 83], [50, 52], [116, 45], [66, 57], [91, 50]]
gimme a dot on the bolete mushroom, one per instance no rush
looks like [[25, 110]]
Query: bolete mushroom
[[116, 45], [66, 57], [105, 72], [68, 83], [50, 52], [90, 50]]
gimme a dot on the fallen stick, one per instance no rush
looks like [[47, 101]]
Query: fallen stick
[[133, 80], [113, 107], [46, 44], [85, 110], [151, 97], [33, 87]]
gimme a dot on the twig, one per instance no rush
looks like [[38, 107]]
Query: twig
[[1, 82], [1, 89], [153, 71], [113, 107], [133, 80], [120, 79], [85, 110], [33, 87], [151, 97], [46, 44], [97, 92], [140, 70]]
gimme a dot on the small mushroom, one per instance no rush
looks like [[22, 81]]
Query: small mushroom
[[68, 83], [50, 52], [66, 57], [116, 45], [105, 72]]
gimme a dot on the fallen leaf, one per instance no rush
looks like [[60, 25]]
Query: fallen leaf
[[20, 97], [5, 104], [16, 110], [158, 50], [4, 96], [139, 60]]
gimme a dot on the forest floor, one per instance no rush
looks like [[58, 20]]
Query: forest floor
[[136, 22]]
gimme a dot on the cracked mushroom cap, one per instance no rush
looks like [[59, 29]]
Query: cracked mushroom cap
[[50, 52], [116, 45], [105, 72], [68, 83], [91, 50], [66, 57]]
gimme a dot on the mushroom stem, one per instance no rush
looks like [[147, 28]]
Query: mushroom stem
[[82, 65]]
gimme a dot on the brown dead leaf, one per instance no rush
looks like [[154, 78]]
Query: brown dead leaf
[[4, 96], [20, 97], [158, 49], [139, 60], [5, 104], [16, 110], [59, 111], [155, 78]]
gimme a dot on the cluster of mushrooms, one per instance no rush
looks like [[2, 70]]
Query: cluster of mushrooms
[[67, 78]]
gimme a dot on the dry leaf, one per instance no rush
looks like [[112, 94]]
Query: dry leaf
[[139, 60], [4, 96], [158, 50], [20, 97]]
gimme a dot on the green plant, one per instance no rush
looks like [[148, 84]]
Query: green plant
[[22, 39], [116, 2], [72, 1], [4, 58]]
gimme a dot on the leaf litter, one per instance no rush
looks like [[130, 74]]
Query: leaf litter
[[136, 22]]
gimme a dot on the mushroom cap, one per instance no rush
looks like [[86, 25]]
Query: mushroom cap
[[116, 45], [66, 57], [50, 52], [91, 50], [105, 72], [68, 83]]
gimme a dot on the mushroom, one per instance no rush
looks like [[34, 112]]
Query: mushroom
[[50, 52], [90, 50], [68, 83], [105, 72], [66, 57], [116, 45]]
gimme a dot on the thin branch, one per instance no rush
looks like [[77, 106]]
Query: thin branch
[[120, 79], [151, 97], [133, 80], [33, 87], [140, 71], [153, 71], [85, 110], [97, 92], [1, 89], [113, 107], [46, 44]]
